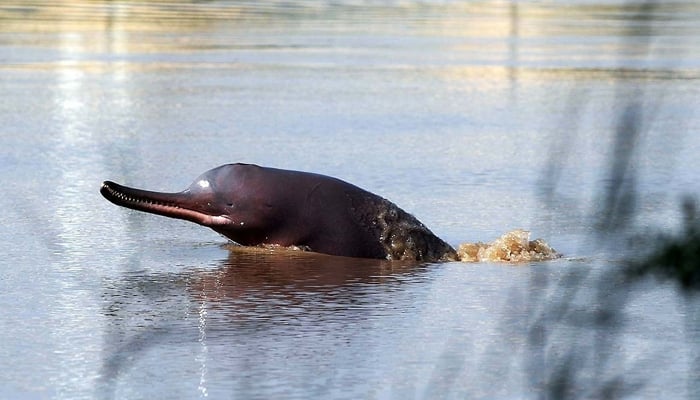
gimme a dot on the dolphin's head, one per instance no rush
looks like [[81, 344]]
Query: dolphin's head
[[225, 199]]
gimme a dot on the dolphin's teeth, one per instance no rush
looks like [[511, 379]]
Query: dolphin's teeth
[[138, 200]]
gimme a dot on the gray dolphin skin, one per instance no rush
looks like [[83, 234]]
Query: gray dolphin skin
[[253, 205]]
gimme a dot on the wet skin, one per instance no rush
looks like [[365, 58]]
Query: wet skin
[[253, 205]]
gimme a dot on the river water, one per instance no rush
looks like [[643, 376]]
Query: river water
[[477, 117]]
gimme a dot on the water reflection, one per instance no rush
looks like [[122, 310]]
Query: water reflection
[[510, 35], [255, 293]]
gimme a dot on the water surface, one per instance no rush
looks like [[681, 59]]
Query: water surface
[[476, 117]]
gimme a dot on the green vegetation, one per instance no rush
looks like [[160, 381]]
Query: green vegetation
[[677, 257]]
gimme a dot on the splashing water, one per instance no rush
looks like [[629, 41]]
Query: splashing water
[[514, 246]]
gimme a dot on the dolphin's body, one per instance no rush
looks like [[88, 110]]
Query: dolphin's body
[[253, 205]]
